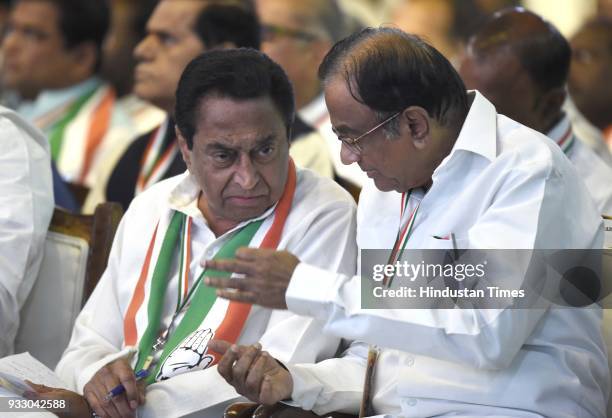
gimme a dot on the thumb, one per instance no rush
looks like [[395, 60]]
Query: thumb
[[219, 346]]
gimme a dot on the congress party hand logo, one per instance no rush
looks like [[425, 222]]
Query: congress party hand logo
[[189, 355]]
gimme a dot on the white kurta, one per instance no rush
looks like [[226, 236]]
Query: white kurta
[[596, 174], [50, 106], [26, 206], [320, 229], [502, 186]]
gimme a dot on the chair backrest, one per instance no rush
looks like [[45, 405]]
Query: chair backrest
[[76, 253]]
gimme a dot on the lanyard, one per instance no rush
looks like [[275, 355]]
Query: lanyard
[[403, 234], [155, 162], [56, 137], [196, 304]]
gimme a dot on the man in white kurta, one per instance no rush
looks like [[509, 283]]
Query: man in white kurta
[[498, 185], [320, 226], [51, 56], [26, 205]]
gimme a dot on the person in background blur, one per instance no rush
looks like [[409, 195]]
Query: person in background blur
[[446, 24], [26, 202], [297, 34], [521, 64], [52, 55], [491, 6], [177, 32], [127, 29], [589, 81]]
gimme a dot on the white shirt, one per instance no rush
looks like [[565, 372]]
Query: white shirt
[[26, 206], [596, 174], [502, 186], [320, 229], [315, 114]]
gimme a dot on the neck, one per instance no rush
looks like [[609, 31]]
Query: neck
[[218, 225]]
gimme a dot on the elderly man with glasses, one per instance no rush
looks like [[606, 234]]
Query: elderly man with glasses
[[449, 173]]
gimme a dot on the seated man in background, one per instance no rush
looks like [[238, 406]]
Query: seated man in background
[[297, 34], [176, 32], [52, 54], [521, 63], [26, 206], [127, 28], [234, 113], [449, 173], [589, 81]]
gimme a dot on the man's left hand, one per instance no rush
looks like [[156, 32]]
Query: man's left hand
[[267, 274], [76, 405]]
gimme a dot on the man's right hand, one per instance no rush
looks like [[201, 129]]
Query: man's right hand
[[252, 372], [107, 378]]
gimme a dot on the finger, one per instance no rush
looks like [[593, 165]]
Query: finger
[[117, 406], [125, 374], [142, 387], [238, 296], [94, 394], [232, 266], [233, 283], [38, 388], [256, 374], [242, 366], [219, 346], [224, 367], [253, 254]]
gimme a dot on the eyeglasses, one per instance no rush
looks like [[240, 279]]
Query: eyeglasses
[[353, 143], [269, 32]]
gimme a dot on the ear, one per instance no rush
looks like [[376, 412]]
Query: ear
[[185, 151], [417, 120]]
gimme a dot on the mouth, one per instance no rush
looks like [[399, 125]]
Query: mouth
[[246, 201]]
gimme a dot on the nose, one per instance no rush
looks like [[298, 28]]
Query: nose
[[347, 156], [145, 48], [246, 174], [10, 42]]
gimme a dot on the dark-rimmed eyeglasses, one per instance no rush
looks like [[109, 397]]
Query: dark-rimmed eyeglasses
[[353, 145]]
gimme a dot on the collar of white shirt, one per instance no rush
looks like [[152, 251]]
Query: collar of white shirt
[[479, 127], [184, 198], [49, 100], [560, 130]]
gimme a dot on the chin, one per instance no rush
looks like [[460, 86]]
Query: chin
[[385, 185]]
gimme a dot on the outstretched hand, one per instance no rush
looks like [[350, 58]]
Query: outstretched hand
[[266, 272], [253, 373]]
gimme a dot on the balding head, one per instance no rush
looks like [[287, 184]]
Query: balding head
[[520, 62]]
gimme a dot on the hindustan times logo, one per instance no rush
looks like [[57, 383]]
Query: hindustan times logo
[[411, 271]]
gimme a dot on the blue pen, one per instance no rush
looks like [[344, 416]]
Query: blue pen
[[119, 389]]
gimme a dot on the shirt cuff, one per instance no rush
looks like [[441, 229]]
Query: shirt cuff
[[91, 370], [305, 390], [311, 290]]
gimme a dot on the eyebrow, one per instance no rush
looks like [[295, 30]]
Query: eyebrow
[[221, 146]]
